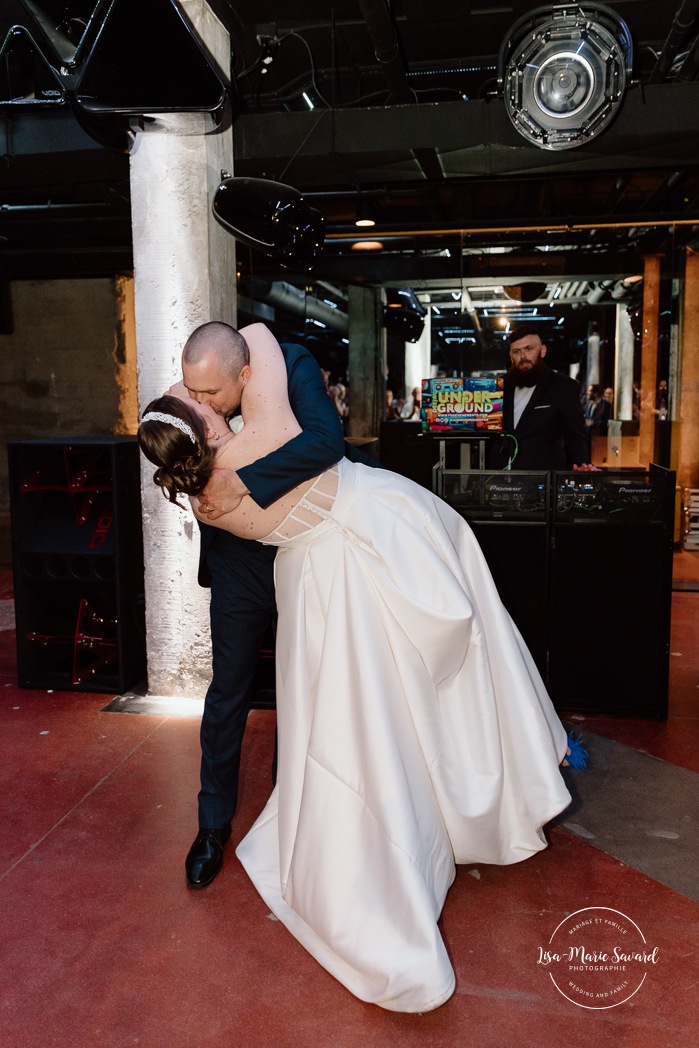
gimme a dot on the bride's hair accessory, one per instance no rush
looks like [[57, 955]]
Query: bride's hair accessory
[[160, 416]]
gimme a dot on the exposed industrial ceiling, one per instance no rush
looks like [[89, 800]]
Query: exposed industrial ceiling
[[396, 106]]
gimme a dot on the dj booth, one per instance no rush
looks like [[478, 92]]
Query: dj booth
[[582, 561]]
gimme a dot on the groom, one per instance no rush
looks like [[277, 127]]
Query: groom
[[215, 369]]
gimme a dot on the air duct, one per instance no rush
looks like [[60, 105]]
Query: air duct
[[383, 36], [599, 291], [681, 23], [286, 296]]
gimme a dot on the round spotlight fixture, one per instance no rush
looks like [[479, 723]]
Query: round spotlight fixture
[[563, 72], [564, 84]]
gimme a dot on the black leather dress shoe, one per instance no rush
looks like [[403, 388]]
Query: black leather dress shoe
[[205, 857]]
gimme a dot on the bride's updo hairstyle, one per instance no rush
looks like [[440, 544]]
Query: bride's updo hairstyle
[[172, 436]]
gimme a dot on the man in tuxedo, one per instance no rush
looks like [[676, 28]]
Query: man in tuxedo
[[542, 409], [215, 367], [596, 411]]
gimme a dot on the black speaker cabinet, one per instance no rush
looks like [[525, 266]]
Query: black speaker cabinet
[[611, 592], [77, 550], [509, 516], [583, 563], [518, 555], [403, 449]]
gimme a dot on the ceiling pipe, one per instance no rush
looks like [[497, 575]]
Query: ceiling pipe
[[385, 41], [44, 209], [620, 290], [468, 306], [655, 198], [286, 296], [681, 23], [690, 67], [337, 292], [599, 291]]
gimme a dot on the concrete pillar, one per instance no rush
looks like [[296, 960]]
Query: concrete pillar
[[184, 273], [649, 357], [418, 357], [688, 414], [592, 359], [367, 360], [623, 365]]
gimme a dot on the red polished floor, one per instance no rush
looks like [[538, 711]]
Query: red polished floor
[[103, 946]]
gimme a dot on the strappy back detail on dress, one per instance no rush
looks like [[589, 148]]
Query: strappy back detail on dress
[[313, 507]]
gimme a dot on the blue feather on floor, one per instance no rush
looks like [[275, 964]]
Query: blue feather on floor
[[577, 758]]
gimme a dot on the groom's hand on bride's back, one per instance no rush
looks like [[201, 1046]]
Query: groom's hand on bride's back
[[224, 493]]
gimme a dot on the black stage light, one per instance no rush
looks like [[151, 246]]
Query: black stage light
[[404, 314], [527, 291], [563, 71], [129, 71], [26, 77], [272, 217], [117, 77]]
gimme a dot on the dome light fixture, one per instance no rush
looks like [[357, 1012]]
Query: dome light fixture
[[271, 217], [563, 71], [404, 314], [364, 215], [367, 245]]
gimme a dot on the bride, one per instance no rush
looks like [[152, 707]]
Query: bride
[[415, 732]]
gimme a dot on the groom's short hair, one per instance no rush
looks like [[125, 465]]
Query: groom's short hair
[[222, 342]]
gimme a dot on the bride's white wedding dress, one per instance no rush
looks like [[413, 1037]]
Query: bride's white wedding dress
[[414, 733]]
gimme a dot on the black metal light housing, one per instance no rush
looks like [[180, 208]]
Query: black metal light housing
[[117, 77], [271, 217], [527, 291], [404, 314], [129, 71], [563, 71], [26, 77]]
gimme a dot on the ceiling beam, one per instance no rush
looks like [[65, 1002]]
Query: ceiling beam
[[656, 127], [424, 273]]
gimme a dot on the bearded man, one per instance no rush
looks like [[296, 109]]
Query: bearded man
[[542, 409]]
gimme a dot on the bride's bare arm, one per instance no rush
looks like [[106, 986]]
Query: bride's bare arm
[[319, 446], [264, 405], [265, 400]]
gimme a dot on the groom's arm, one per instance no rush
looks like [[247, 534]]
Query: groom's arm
[[319, 446]]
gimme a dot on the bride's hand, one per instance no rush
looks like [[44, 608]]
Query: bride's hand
[[224, 493], [178, 390]]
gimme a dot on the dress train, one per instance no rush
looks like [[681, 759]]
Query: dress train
[[414, 733]]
